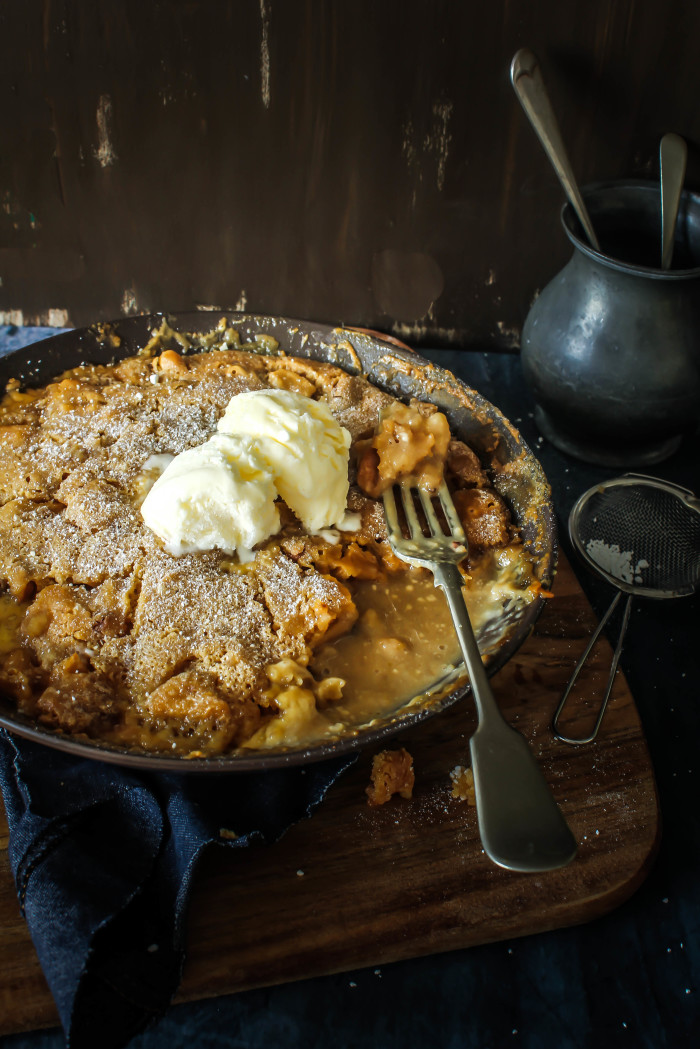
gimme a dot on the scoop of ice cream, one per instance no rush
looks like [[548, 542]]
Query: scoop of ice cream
[[219, 495], [304, 447]]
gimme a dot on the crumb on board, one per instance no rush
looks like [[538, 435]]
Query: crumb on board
[[463, 784], [226, 834], [392, 773]]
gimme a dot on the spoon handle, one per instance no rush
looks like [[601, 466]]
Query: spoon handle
[[526, 78], [673, 154]]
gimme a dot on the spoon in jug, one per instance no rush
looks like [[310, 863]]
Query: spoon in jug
[[673, 154], [526, 78]]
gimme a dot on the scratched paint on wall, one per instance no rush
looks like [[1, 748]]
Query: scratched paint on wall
[[104, 153]]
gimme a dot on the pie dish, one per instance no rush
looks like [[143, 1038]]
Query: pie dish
[[279, 348]]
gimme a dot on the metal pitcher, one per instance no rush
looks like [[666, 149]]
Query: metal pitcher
[[611, 346]]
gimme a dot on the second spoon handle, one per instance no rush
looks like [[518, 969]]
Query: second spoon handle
[[673, 154], [526, 78]]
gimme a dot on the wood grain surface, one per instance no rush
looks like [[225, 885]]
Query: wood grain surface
[[355, 886]]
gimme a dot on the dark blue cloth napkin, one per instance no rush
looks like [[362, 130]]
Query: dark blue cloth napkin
[[104, 858]]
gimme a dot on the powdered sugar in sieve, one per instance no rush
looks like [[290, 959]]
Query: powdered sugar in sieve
[[612, 560]]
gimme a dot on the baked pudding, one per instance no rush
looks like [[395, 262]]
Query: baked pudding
[[197, 632]]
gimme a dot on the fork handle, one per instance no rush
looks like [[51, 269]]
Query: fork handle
[[520, 823]]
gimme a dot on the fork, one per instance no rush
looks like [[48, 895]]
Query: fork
[[520, 823]]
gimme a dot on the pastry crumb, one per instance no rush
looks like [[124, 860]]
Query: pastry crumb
[[463, 784], [392, 773]]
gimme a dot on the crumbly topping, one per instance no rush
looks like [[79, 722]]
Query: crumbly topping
[[100, 587]]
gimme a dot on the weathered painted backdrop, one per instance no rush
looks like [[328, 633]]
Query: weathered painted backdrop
[[354, 161]]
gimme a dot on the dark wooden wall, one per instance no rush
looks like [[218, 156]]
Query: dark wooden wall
[[353, 161]]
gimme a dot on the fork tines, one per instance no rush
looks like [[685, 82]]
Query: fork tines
[[409, 491]]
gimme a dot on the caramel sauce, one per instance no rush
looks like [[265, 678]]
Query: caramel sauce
[[11, 613], [404, 640]]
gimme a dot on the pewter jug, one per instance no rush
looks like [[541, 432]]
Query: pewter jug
[[611, 346]]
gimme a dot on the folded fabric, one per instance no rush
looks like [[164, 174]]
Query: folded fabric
[[103, 859]]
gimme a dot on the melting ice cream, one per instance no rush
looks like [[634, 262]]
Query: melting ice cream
[[222, 493]]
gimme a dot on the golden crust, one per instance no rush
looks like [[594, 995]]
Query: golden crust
[[147, 628]]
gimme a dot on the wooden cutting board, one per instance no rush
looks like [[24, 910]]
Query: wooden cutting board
[[355, 886]]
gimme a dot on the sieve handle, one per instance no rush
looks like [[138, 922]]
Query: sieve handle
[[581, 663]]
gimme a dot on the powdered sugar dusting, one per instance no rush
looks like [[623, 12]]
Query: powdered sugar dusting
[[616, 562], [74, 463]]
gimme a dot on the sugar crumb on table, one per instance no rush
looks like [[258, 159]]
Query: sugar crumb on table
[[392, 773], [463, 784]]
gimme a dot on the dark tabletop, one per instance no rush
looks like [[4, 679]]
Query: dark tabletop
[[631, 978]]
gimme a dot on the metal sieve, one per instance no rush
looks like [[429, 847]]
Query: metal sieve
[[642, 534]]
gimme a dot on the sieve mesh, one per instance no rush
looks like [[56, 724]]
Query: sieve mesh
[[642, 534]]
